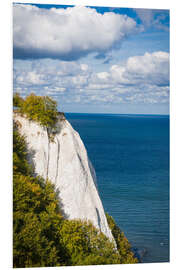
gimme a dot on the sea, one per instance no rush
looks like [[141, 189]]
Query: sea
[[130, 154]]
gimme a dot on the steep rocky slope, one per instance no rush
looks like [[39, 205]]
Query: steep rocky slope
[[63, 159]]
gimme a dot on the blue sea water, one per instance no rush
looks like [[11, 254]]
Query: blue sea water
[[130, 154]]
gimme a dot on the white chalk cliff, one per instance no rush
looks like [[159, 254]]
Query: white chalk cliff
[[65, 163]]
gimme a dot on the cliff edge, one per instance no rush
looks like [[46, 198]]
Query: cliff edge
[[62, 158]]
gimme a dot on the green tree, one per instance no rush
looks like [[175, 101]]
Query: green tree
[[86, 245], [123, 246], [41, 235], [36, 223], [36, 214], [17, 100], [42, 109], [20, 163]]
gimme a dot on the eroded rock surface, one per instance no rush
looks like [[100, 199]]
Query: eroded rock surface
[[63, 159]]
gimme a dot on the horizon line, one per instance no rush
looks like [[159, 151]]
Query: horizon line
[[119, 113]]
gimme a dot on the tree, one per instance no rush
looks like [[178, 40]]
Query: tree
[[41, 235], [20, 163], [36, 214], [123, 246], [36, 222], [86, 245], [40, 109], [17, 100]]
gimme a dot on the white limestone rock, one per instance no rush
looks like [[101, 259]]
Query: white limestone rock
[[65, 163]]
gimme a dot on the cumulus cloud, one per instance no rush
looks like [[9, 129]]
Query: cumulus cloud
[[67, 34], [151, 68], [141, 79], [47, 76], [31, 78]]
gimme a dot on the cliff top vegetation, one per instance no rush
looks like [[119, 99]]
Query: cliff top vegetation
[[42, 109], [41, 234]]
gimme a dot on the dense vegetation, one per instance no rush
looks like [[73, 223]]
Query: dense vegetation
[[42, 236], [42, 109], [123, 246]]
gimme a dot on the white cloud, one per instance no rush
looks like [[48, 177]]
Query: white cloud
[[84, 67], [151, 68], [66, 33], [103, 76], [79, 80], [30, 78], [141, 79]]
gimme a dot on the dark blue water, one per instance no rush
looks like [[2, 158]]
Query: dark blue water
[[130, 154]]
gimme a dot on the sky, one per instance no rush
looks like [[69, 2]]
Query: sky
[[93, 59]]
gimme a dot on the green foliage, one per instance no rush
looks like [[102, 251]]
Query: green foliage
[[42, 236], [86, 245], [36, 222], [17, 100], [42, 109], [36, 214], [123, 246], [20, 164]]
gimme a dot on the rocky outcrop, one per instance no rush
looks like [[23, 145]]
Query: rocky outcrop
[[62, 158]]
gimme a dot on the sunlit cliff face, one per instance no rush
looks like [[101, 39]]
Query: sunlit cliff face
[[62, 158]]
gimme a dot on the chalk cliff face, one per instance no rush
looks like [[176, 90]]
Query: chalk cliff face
[[64, 161]]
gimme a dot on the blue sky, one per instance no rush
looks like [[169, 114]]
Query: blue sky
[[93, 59]]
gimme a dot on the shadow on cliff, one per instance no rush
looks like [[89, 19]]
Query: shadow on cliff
[[93, 173], [30, 158], [99, 219], [31, 155], [61, 205]]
